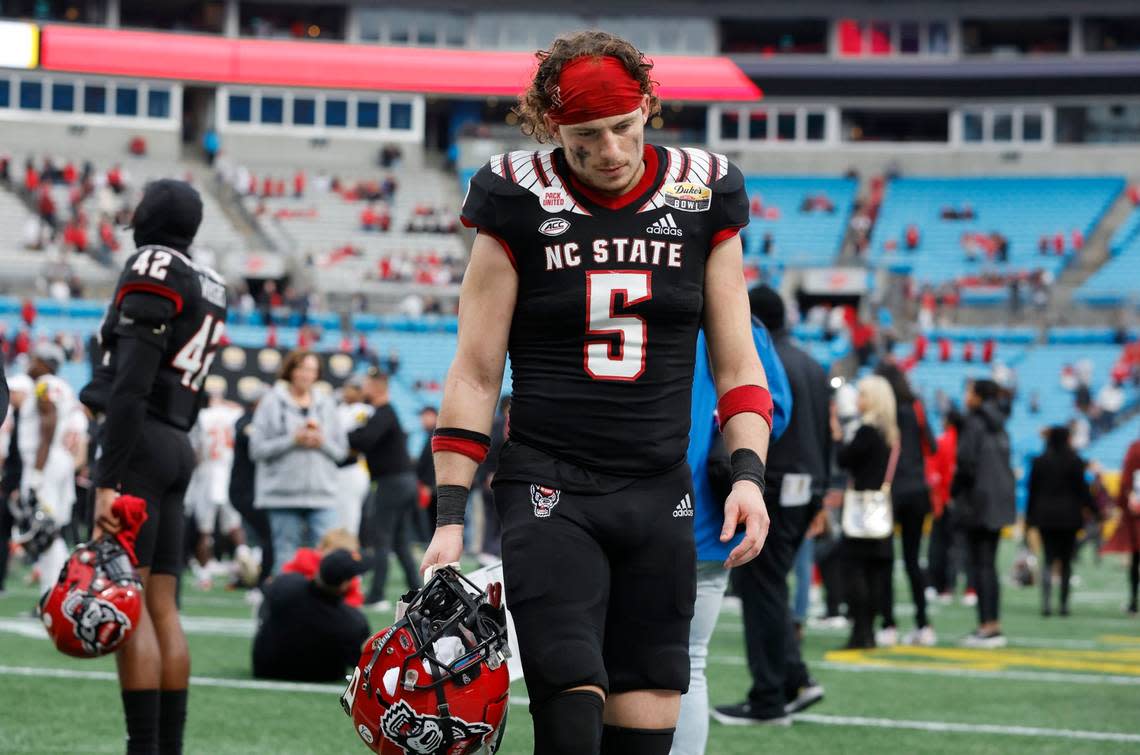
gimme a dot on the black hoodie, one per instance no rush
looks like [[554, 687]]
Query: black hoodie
[[983, 487]]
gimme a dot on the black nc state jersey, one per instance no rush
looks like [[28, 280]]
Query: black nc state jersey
[[199, 298], [610, 299]]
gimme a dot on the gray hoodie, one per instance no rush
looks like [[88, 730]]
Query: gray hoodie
[[289, 476], [983, 486]]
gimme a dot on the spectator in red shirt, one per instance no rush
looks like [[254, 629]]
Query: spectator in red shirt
[[69, 173], [299, 184], [939, 474], [944, 349], [920, 344], [1059, 243], [28, 312], [31, 178], [271, 337], [1078, 240], [307, 561], [368, 219], [912, 237], [988, 350], [968, 351], [115, 179]]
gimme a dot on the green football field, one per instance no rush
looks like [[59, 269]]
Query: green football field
[[1064, 685]]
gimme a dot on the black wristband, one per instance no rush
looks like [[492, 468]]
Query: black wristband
[[451, 504], [746, 465]]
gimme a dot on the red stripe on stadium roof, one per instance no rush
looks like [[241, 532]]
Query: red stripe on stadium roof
[[479, 73]]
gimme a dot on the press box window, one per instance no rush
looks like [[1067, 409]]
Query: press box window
[[126, 101], [94, 99], [240, 107], [400, 116], [62, 97], [31, 95], [5, 94], [272, 109], [158, 103], [304, 111], [336, 113], [816, 127], [367, 114]]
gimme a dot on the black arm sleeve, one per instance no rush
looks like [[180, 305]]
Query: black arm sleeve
[[13, 464], [730, 201], [138, 363]]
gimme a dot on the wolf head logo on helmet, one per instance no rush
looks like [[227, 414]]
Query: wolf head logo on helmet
[[436, 681], [427, 735], [544, 500], [99, 625], [96, 603]]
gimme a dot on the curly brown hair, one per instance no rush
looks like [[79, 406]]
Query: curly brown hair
[[538, 97]]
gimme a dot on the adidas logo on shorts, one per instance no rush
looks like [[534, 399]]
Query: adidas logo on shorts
[[665, 227], [684, 508]]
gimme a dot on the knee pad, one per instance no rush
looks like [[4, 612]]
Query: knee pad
[[619, 740], [570, 723]]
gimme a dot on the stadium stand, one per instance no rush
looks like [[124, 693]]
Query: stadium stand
[[804, 217], [962, 222], [1115, 282]]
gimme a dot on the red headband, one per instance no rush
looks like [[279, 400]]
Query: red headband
[[592, 87]]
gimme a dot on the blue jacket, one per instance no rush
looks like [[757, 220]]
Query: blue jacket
[[708, 517]]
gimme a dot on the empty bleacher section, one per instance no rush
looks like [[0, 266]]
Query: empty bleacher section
[[1115, 282], [969, 228], [797, 220]]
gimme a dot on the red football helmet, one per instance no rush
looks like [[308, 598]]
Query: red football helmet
[[436, 681], [97, 601]]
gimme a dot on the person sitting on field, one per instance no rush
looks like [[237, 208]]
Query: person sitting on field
[[305, 631], [307, 561]]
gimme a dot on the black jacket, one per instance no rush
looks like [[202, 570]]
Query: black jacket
[[243, 470], [3, 392], [866, 457], [13, 470], [1057, 491], [910, 472], [805, 446], [383, 443], [304, 634], [983, 486]]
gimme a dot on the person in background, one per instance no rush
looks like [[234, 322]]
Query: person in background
[[491, 548], [1058, 496], [708, 460], [353, 473], [1127, 536], [944, 557], [211, 143], [866, 457], [385, 447], [910, 499], [307, 561], [796, 478], [983, 490], [17, 388], [305, 630], [242, 488], [297, 442], [425, 470]]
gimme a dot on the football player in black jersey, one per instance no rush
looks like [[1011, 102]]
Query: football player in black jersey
[[594, 267], [158, 337]]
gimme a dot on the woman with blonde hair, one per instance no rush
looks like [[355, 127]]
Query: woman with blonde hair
[[866, 457]]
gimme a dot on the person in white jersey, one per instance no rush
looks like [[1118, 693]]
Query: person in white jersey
[[354, 480]]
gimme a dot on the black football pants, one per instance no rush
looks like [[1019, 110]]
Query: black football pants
[[769, 634]]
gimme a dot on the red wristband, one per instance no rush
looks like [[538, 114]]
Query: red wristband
[[742, 399]]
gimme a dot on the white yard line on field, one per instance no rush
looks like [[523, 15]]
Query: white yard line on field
[[880, 723], [943, 726]]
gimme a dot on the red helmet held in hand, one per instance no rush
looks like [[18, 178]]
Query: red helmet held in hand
[[97, 601], [436, 681]]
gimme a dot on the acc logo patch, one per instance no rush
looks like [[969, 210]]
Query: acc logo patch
[[418, 734], [687, 196], [554, 200], [366, 735], [544, 500], [554, 227]]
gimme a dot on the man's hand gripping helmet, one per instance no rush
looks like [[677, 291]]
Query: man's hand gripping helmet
[[436, 681]]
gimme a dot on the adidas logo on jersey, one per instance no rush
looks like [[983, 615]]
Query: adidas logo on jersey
[[665, 227], [684, 508]]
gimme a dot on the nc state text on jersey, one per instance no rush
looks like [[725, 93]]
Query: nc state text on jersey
[[620, 251]]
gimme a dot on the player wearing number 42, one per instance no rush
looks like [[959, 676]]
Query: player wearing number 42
[[158, 339], [594, 267]]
